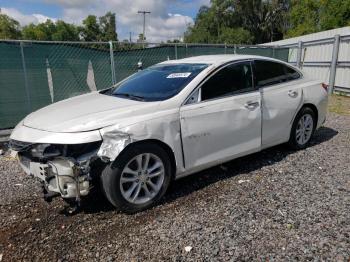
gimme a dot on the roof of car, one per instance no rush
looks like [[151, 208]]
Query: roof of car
[[216, 59]]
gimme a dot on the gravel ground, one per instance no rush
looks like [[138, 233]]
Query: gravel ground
[[274, 205]]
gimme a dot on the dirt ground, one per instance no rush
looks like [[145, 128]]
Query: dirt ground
[[275, 205]]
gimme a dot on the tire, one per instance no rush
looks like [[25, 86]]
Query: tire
[[114, 175], [295, 139]]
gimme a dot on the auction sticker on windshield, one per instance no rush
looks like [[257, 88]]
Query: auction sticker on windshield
[[179, 75]]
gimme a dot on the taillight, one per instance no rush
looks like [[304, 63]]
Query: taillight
[[325, 86]]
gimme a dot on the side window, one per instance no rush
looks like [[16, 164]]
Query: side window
[[291, 73], [232, 79], [270, 73]]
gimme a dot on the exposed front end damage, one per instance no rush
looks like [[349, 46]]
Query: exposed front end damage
[[67, 170], [69, 161], [63, 170]]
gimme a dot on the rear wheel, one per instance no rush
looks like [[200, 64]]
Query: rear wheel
[[303, 128], [138, 178]]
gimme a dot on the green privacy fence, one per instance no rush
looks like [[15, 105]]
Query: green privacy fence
[[34, 74]]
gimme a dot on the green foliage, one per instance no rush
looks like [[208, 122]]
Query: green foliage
[[225, 21], [103, 29], [108, 27], [91, 30], [304, 17], [43, 31], [239, 21], [50, 31], [265, 19], [310, 16], [235, 36], [334, 13], [9, 28], [65, 32], [198, 34], [260, 21]]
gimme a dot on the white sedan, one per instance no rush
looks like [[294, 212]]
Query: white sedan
[[165, 122]]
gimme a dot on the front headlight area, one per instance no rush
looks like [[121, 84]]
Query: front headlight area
[[65, 170]]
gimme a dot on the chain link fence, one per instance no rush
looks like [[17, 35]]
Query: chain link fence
[[34, 74]]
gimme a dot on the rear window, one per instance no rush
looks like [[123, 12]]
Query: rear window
[[157, 83], [271, 73]]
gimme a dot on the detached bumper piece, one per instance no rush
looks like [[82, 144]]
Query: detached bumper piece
[[63, 177]]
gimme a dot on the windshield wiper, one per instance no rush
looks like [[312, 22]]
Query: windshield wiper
[[136, 97]]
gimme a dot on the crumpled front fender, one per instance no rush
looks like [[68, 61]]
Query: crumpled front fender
[[113, 144], [165, 129]]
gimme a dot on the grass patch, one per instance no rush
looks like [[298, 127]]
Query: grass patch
[[339, 104]]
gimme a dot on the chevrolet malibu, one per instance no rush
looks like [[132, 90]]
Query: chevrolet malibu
[[165, 122]]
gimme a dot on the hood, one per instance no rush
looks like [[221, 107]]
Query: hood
[[87, 112]]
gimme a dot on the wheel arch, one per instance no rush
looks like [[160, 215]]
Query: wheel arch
[[309, 105], [159, 143], [313, 108]]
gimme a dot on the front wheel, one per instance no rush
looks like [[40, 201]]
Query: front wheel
[[303, 128], [138, 178]]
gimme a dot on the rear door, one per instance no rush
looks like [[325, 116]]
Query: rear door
[[225, 121], [281, 96]]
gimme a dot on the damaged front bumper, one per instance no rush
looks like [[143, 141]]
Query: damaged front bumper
[[61, 176], [70, 166], [64, 170]]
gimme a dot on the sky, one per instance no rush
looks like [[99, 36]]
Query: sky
[[168, 18]]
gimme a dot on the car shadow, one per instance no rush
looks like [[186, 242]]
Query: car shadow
[[96, 202]]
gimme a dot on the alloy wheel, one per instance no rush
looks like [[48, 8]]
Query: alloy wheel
[[304, 129], [142, 178]]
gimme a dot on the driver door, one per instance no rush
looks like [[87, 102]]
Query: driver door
[[225, 122]]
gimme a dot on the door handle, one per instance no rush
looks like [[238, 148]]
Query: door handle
[[292, 93], [251, 105]]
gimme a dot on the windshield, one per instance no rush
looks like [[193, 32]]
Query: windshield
[[157, 83]]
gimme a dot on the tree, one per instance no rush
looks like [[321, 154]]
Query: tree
[[29, 32], [235, 36], [42, 31], [206, 27], [304, 18], [264, 19], [108, 27], [197, 34], [310, 16], [335, 13], [9, 28], [65, 32], [258, 20], [50, 31], [91, 29]]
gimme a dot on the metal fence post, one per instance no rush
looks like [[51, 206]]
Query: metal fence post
[[25, 78], [299, 53], [111, 54], [225, 49], [334, 63], [175, 46], [235, 49]]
